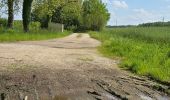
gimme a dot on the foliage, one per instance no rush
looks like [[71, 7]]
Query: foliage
[[26, 14], [3, 22], [16, 5], [95, 14], [69, 14], [46, 7], [145, 51], [155, 24], [43, 10], [35, 33], [11, 6], [35, 26], [74, 14], [18, 25]]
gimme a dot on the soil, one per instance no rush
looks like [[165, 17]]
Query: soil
[[69, 68]]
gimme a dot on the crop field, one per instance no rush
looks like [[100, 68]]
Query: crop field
[[143, 50]]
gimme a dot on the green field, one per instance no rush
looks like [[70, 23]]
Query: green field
[[144, 51]]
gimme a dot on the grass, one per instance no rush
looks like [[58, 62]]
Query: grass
[[12, 37], [144, 51], [36, 33]]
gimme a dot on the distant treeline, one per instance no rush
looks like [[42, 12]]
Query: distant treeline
[[156, 24], [121, 26], [153, 24]]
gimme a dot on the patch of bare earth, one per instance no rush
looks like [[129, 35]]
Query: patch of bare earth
[[68, 69]]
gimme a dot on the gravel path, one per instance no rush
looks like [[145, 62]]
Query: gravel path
[[69, 68]]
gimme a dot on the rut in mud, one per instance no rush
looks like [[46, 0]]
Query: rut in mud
[[68, 68]]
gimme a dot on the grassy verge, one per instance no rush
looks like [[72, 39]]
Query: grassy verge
[[20, 36], [36, 33], [145, 51]]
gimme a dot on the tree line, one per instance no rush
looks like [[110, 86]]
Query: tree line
[[74, 14], [151, 24], [155, 24]]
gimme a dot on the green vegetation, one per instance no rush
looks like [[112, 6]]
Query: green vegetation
[[145, 51], [69, 13], [43, 10], [95, 15], [155, 24], [12, 7], [13, 36], [35, 33], [76, 15]]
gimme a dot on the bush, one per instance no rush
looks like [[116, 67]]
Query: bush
[[3, 22], [1, 29], [35, 26], [10, 31], [18, 25]]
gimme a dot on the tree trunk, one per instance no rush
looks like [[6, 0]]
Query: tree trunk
[[26, 14], [10, 13]]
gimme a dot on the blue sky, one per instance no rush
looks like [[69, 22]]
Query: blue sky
[[133, 12], [137, 11]]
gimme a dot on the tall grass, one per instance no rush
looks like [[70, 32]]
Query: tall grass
[[145, 51]]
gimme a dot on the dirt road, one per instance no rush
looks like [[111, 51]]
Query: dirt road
[[68, 69]]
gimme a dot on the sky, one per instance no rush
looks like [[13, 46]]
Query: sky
[[133, 12]]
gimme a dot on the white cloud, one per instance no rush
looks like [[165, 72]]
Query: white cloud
[[119, 4], [105, 1], [124, 16], [142, 12], [113, 18], [116, 3], [141, 16]]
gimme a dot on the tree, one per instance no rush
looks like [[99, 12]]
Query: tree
[[10, 13], [68, 14], [80, 14], [44, 9], [95, 15], [12, 6], [26, 14]]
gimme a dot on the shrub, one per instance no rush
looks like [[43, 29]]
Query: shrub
[[10, 31], [35, 26], [18, 25], [3, 22]]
